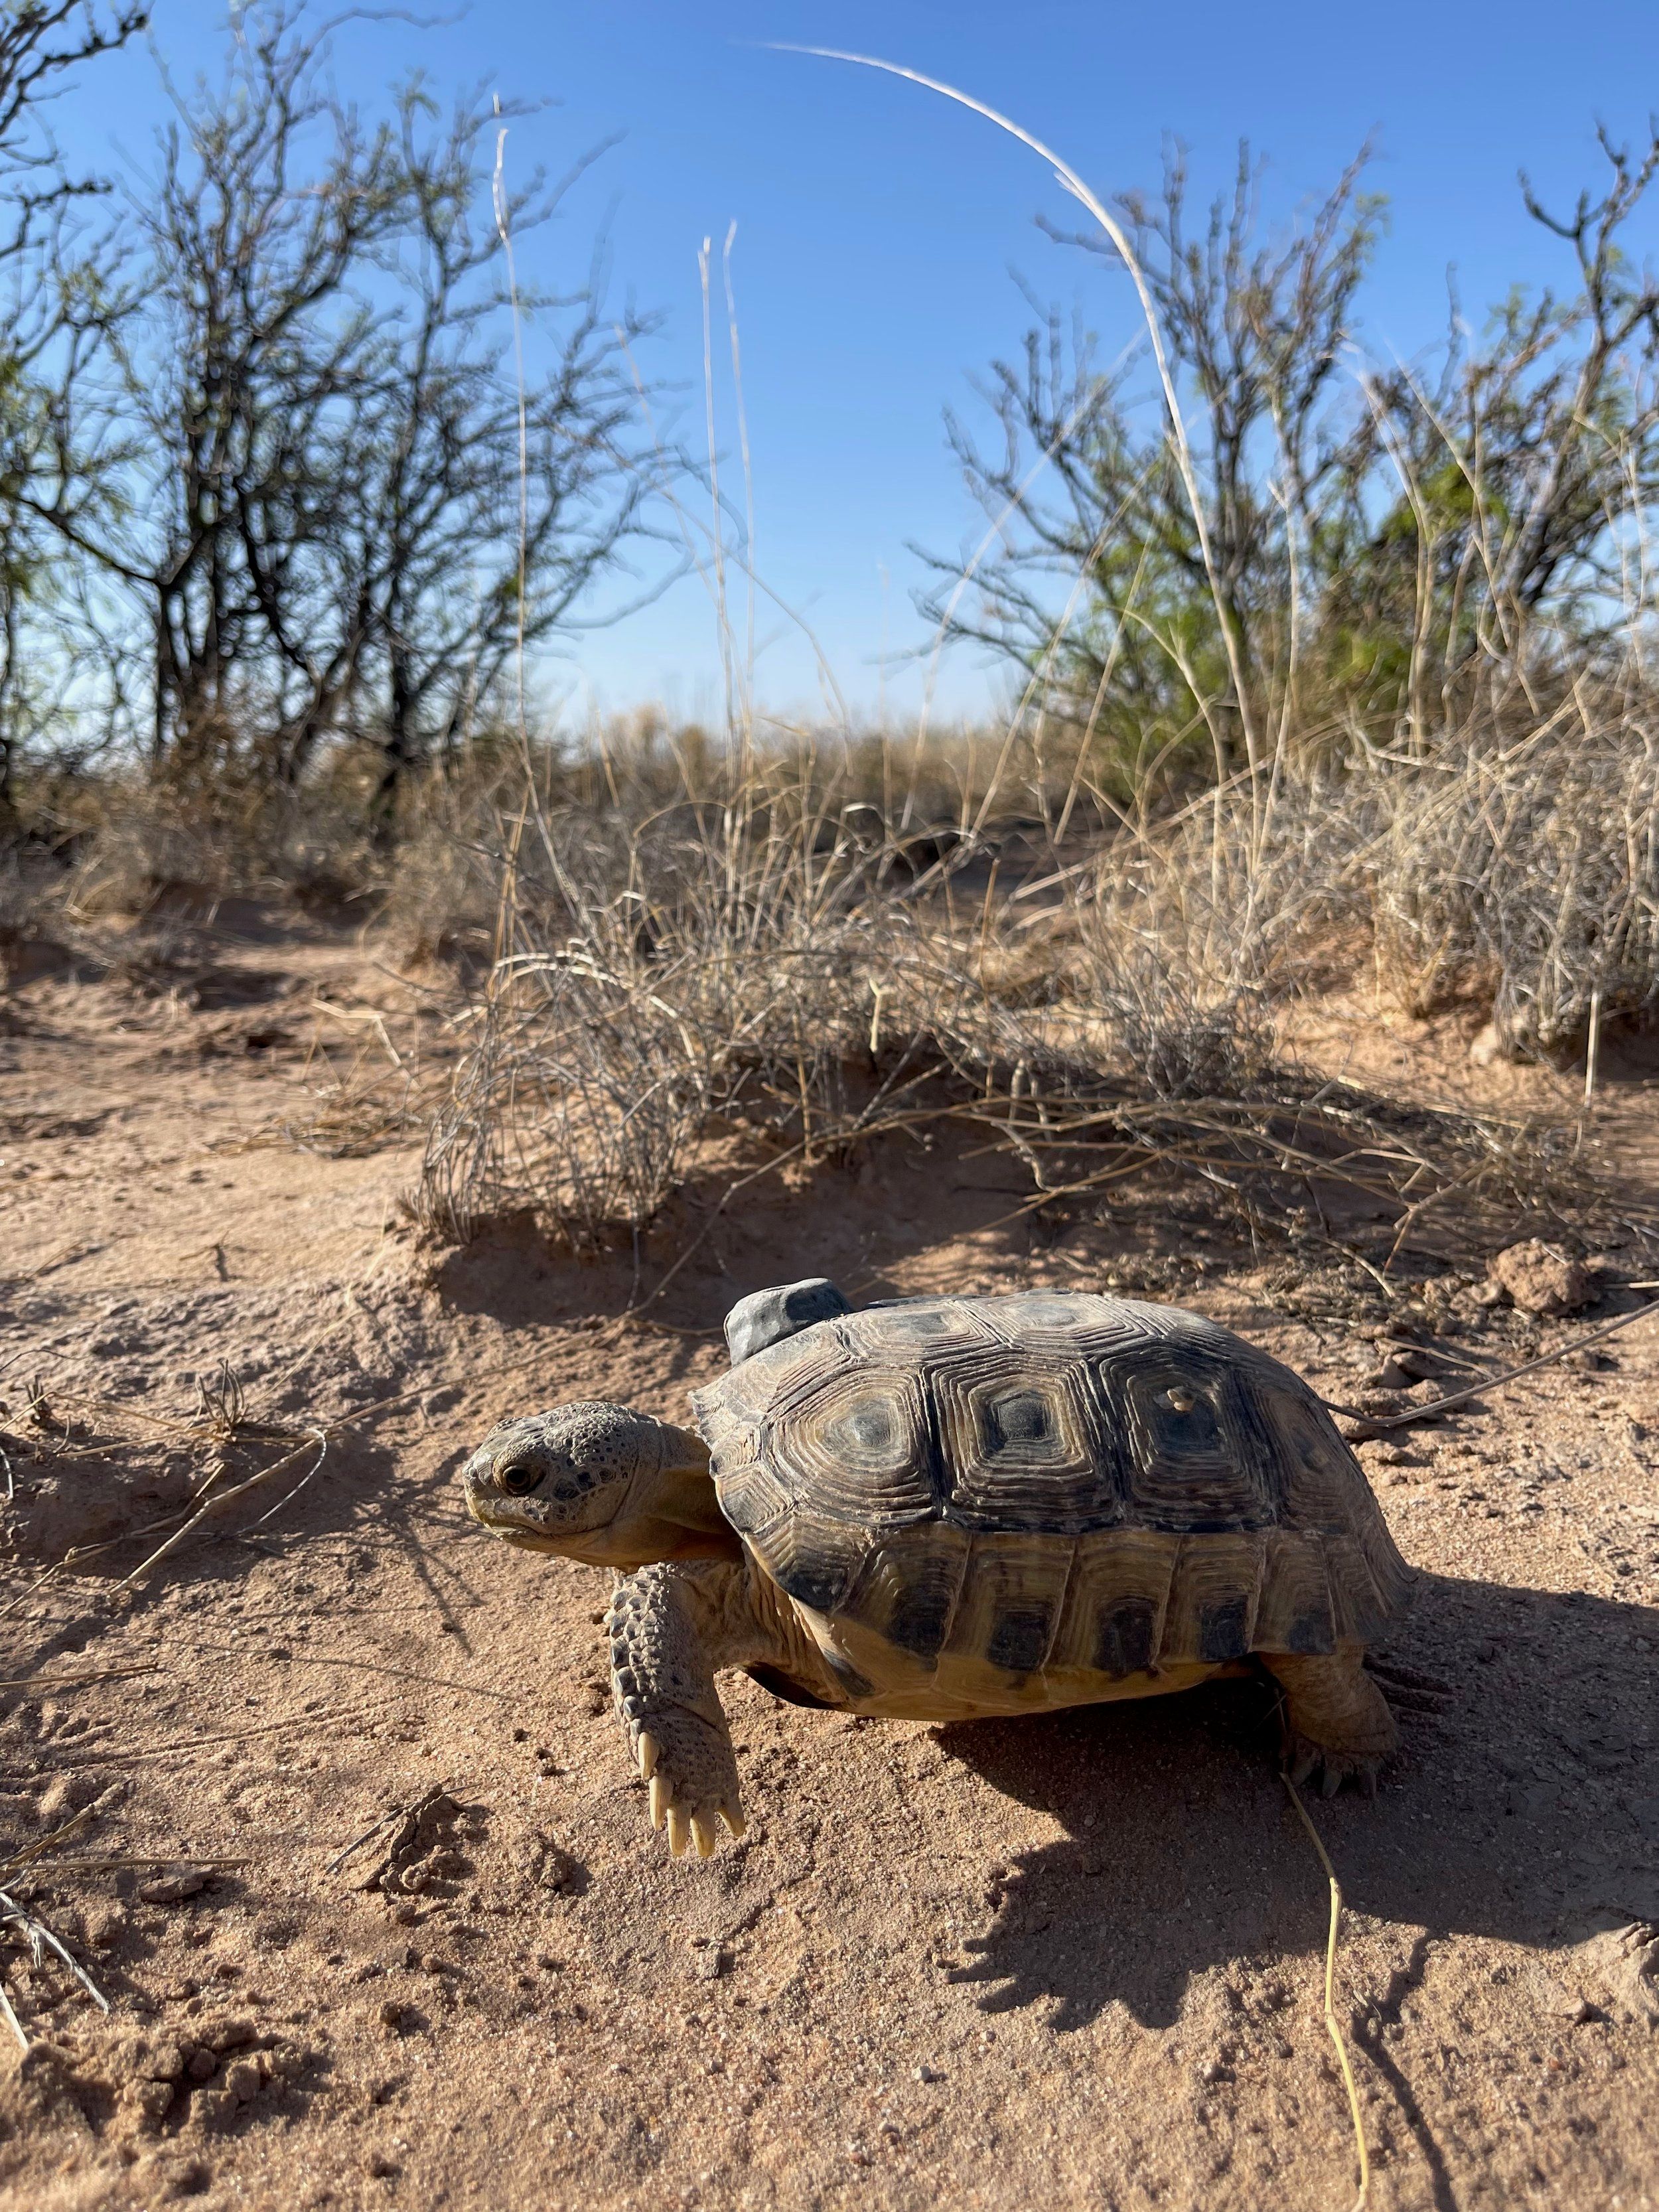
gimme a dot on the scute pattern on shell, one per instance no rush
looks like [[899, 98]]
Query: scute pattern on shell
[[1050, 1480]]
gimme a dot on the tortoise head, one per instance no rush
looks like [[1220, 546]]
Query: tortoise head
[[598, 1483]]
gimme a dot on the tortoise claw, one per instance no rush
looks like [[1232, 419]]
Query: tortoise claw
[[678, 1741], [1312, 1763], [1411, 1701], [1407, 1690]]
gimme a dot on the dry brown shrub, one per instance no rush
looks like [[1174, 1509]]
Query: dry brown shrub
[[763, 967], [1526, 866]]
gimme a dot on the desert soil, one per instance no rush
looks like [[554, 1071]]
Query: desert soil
[[1072, 1962]]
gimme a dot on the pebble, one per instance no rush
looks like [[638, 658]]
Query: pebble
[[105, 1929], [708, 1960], [1390, 1375], [1561, 2003], [1542, 1279], [173, 1888], [242, 2081]]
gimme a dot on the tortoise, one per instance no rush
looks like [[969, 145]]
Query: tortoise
[[944, 1508]]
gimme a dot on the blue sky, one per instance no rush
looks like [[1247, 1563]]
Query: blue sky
[[877, 228]]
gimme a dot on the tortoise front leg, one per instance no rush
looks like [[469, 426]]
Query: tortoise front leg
[[1339, 1721], [670, 1627]]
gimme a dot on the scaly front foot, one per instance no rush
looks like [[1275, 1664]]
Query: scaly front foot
[[664, 1693], [693, 1777]]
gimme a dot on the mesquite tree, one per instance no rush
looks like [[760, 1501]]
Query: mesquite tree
[[302, 386], [41, 254], [1254, 335], [1379, 540]]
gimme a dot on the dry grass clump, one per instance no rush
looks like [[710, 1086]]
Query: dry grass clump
[[1512, 863], [122, 848], [189, 1465], [707, 965], [1524, 867], [761, 969]]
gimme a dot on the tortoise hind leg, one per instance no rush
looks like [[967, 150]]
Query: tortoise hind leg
[[671, 1627], [1338, 1721]]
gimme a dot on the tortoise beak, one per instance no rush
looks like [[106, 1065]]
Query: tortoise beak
[[486, 1510], [483, 1505], [513, 1532]]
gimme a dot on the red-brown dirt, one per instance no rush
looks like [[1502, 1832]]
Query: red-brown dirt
[[1068, 1962]]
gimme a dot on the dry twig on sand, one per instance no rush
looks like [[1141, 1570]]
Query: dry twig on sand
[[1332, 2024], [1380, 1423], [42, 1938]]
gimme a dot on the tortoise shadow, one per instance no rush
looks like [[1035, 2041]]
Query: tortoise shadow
[[1527, 1811]]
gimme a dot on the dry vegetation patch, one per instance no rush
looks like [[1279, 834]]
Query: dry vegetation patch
[[751, 976]]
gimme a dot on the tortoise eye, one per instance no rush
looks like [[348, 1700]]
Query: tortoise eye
[[519, 1480]]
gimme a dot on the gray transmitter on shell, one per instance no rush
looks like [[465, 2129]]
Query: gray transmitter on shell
[[953, 1508]]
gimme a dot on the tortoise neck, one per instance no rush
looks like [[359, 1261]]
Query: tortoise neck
[[675, 1510]]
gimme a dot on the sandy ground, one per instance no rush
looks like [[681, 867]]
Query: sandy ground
[[1076, 1961]]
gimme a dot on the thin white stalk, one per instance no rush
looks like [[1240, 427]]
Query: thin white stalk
[[1071, 182], [718, 528], [504, 231], [693, 533], [748, 494]]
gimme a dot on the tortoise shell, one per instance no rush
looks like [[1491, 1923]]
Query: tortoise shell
[[1050, 1484]]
